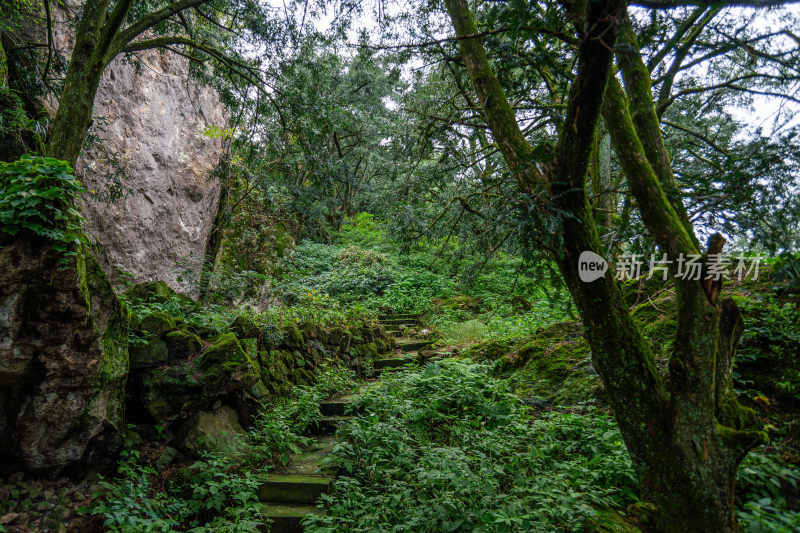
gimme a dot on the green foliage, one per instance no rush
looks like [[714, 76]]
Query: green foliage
[[15, 123], [448, 448], [766, 362], [228, 284], [413, 291], [365, 231], [216, 496], [768, 491], [367, 266], [310, 307], [39, 195], [127, 504], [787, 270], [466, 332]]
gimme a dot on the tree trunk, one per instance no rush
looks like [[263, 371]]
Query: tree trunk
[[685, 460], [684, 463], [76, 105], [3, 68], [686, 437]]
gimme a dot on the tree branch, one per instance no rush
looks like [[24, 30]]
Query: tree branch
[[148, 21], [665, 225], [499, 114], [638, 87]]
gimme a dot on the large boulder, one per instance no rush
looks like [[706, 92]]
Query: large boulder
[[63, 361], [157, 135]]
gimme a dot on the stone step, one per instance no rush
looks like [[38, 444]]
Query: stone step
[[293, 488], [286, 518], [392, 362], [412, 346], [396, 334], [336, 407], [392, 316], [328, 425], [308, 461]]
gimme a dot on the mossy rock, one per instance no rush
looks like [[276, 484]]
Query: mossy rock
[[656, 319], [152, 352], [369, 349], [155, 323], [460, 302], [64, 359], [226, 358], [276, 368], [295, 336], [170, 392], [489, 350], [609, 520], [181, 344], [245, 327], [583, 384], [555, 364], [223, 370], [217, 431]]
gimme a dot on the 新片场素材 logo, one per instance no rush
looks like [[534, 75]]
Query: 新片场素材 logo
[[592, 266]]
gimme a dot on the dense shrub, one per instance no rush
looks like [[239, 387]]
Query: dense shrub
[[39, 195]]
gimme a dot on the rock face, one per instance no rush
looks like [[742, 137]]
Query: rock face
[[150, 127], [63, 361], [149, 165], [215, 430]]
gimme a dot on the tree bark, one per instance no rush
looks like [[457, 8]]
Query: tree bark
[[685, 458], [86, 65]]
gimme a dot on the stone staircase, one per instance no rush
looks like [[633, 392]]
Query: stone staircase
[[407, 347], [291, 492]]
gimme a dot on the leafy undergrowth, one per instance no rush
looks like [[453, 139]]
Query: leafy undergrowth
[[768, 494], [448, 448], [464, 294], [156, 298], [218, 492]]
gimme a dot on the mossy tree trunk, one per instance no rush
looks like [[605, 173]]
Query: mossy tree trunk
[[86, 66], [3, 69], [686, 437]]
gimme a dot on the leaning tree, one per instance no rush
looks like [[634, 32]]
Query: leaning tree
[[684, 429]]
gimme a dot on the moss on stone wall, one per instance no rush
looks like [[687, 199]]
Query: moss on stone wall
[[179, 370]]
